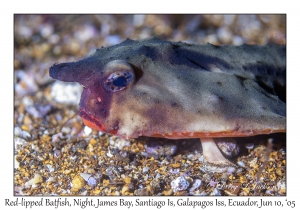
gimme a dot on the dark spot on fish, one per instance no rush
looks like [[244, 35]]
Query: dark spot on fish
[[151, 52], [263, 83], [280, 91], [220, 98], [196, 59], [137, 72], [173, 104], [196, 64], [156, 101]]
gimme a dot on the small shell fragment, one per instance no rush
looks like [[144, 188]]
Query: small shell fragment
[[92, 181], [180, 184], [228, 146], [85, 176], [281, 187], [51, 179], [87, 131], [249, 146]]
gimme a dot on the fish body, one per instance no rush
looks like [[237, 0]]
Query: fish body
[[177, 90]]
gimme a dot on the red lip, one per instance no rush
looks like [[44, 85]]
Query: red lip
[[91, 122]]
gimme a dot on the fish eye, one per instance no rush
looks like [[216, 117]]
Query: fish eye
[[119, 75], [118, 81]]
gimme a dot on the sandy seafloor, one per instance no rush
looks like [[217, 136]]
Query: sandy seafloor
[[56, 154]]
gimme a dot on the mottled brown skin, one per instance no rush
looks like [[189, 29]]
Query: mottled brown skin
[[182, 90]]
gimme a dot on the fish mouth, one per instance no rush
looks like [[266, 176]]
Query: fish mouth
[[91, 121]]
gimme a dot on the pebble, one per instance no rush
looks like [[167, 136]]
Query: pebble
[[57, 153], [77, 183], [138, 20], [125, 189], [269, 192], [17, 131], [25, 31], [109, 154], [228, 146], [50, 168], [237, 40], [191, 156], [225, 35], [112, 171], [87, 130], [52, 179], [92, 181], [113, 39], [35, 180], [66, 93], [16, 162], [241, 163], [142, 192], [159, 148], [27, 84], [156, 185], [38, 110], [196, 184], [174, 170], [20, 141], [249, 146], [66, 130], [203, 193], [121, 143], [253, 162], [212, 183], [281, 188], [231, 170], [180, 184], [84, 193], [86, 33], [216, 192], [145, 169], [209, 168], [25, 135]]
